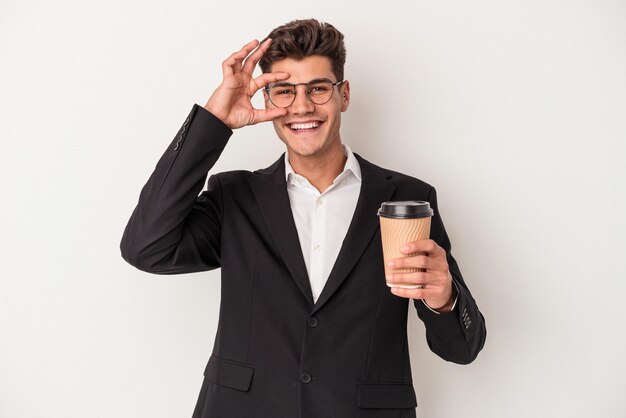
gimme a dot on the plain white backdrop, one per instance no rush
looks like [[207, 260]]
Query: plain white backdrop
[[515, 111]]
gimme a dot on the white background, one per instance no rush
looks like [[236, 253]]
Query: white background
[[515, 111]]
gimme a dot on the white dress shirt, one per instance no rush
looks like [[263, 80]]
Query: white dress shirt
[[322, 219]]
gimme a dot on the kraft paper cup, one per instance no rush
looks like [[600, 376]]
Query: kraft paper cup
[[402, 222]]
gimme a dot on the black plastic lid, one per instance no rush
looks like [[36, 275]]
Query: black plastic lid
[[405, 209]]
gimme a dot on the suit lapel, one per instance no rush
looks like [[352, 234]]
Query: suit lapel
[[375, 189], [270, 191]]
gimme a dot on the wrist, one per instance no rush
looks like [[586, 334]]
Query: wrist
[[448, 306], [213, 107], [209, 107]]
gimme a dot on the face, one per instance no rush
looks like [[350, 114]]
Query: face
[[323, 138]]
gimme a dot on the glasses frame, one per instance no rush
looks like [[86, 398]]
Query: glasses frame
[[306, 90]]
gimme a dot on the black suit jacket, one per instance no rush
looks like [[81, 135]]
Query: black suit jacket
[[276, 353]]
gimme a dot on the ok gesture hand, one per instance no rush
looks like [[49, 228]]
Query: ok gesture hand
[[230, 102]]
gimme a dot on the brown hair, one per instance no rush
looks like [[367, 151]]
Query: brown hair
[[302, 38]]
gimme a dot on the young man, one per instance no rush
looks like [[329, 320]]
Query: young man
[[308, 327]]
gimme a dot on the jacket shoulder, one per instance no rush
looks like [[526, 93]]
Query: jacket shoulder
[[399, 179], [239, 177], [233, 176]]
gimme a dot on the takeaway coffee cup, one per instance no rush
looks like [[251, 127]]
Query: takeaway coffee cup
[[402, 222]]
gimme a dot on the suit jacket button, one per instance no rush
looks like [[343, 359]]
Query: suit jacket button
[[305, 377], [312, 322]]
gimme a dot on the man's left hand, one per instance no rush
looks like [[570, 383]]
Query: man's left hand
[[436, 280]]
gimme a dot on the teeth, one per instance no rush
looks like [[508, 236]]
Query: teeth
[[297, 126]]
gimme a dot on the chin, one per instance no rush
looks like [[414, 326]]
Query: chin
[[304, 151], [303, 146]]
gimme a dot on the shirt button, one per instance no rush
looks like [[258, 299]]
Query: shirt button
[[320, 202], [312, 322], [305, 377], [317, 247]]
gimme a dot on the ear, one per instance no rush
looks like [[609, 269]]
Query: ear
[[345, 95]]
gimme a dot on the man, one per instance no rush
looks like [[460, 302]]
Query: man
[[308, 327]]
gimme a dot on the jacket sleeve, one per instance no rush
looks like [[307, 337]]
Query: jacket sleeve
[[174, 229], [458, 335]]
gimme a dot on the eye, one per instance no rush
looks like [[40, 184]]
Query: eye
[[283, 91]]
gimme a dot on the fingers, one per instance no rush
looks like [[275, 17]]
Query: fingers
[[251, 61], [410, 293], [267, 78], [441, 300], [424, 254], [232, 64], [419, 277], [422, 246], [434, 278], [427, 270], [417, 261], [264, 115], [428, 288]]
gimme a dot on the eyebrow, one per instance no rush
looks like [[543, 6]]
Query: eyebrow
[[281, 84], [286, 84]]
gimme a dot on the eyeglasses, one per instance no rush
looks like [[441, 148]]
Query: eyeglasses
[[319, 91]]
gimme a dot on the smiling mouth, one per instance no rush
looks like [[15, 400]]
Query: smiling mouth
[[304, 127]]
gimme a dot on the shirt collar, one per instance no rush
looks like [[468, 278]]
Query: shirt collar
[[351, 166]]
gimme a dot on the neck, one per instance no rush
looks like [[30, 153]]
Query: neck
[[319, 170]]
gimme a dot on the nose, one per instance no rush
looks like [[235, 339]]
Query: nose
[[301, 104]]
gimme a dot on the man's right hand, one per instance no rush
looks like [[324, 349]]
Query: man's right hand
[[230, 102]]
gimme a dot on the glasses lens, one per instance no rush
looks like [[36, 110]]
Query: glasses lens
[[320, 91], [282, 94]]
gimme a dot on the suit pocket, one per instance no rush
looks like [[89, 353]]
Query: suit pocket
[[229, 373], [386, 395]]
